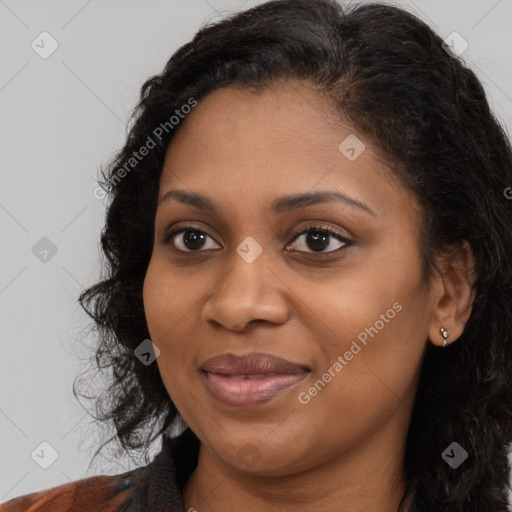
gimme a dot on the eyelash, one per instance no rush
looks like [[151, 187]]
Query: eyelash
[[294, 235]]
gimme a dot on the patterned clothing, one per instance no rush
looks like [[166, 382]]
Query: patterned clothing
[[156, 487]]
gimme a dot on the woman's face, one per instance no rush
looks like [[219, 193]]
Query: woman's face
[[352, 315]]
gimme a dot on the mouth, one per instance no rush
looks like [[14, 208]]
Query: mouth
[[241, 381]]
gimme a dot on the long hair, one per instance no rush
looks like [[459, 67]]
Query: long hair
[[391, 77]]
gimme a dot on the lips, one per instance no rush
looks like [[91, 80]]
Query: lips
[[249, 380], [252, 364]]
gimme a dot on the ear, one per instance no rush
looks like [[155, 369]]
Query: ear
[[453, 293]]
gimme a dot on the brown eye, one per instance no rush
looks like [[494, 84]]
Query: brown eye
[[320, 240], [190, 239]]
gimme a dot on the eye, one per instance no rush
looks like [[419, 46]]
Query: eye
[[320, 239], [193, 240]]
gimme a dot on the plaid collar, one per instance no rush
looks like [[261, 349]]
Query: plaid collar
[[159, 485]]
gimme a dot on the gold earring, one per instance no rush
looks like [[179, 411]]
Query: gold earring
[[444, 334]]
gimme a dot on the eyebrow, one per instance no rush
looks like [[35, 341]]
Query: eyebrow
[[280, 205]]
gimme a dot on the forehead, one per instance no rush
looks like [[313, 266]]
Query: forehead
[[283, 139], [282, 115]]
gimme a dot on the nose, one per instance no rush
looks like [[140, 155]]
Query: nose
[[248, 293]]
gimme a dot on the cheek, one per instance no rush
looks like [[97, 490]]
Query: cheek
[[163, 308], [172, 308], [154, 297], [375, 379], [377, 322], [166, 301]]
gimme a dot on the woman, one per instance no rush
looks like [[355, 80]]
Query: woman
[[308, 246]]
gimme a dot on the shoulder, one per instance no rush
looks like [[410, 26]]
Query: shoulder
[[103, 492]]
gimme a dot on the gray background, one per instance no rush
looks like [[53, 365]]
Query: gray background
[[62, 117]]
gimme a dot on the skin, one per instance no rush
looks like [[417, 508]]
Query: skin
[[346, 445]]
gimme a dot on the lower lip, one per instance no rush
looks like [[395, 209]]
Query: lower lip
[[239, 392]]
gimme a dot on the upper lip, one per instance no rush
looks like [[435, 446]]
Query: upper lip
[[251, 364]]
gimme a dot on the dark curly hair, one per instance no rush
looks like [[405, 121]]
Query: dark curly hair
[[388, 74]]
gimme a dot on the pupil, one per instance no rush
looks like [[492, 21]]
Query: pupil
[[317, 240], [194, 238]]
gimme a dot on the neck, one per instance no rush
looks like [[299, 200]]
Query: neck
[[369, 476]]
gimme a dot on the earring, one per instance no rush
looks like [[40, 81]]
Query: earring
[[444, 334]]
